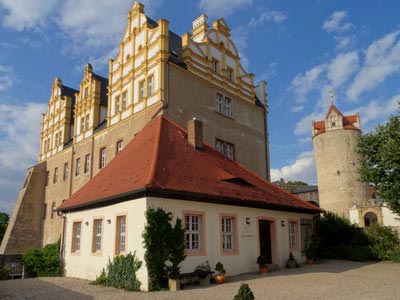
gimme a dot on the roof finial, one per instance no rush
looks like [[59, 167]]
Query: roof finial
[[332, 95]]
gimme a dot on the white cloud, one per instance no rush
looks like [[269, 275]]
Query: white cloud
[[336, 22], [382, 59], [23, 14], [342, 67], [303, 169], [302, 84], [304, 126], [6, 77], [220, 8], [267, 16], [344, 41], [298, 108]]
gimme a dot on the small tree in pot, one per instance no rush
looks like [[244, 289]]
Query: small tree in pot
[[262, 264], [292, 262], [220, 277]]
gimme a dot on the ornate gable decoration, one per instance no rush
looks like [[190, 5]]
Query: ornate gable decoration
[[212, 55]]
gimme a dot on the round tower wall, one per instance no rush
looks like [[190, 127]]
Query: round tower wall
[[337, 163]]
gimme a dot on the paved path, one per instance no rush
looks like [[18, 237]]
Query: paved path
[[329, 280]]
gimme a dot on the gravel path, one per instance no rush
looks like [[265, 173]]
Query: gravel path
[[328, 280]]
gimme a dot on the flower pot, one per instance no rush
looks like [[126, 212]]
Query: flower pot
[[291, 264], [219, 279], [262, 269]]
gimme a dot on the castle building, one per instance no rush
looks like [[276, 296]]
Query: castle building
[[340, 188], [156, 72]]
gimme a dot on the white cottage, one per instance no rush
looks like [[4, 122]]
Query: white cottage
[[235, 215]]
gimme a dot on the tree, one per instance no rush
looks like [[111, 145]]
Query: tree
[[380, 163], [4, 218], [296, 183]]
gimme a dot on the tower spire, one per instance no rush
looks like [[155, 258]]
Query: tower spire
[[332, 95]]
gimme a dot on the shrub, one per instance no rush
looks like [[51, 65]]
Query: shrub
[[385, 242], [121, 273], [262, 261], [244, 293], [219, 267], [165, 247], [4, 273], [204, 267], [44, 262]]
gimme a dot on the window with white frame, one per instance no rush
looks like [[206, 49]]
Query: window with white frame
[[117, 104], [103, 154], [219, 103], [142, 89], [65, 176], [121, 234], [292, 234], [193, 233], [223, 105], [227, 108], [97, 234], [150, 86], [78, 167], [119, 146], [87, 119], [124, 100], [76, 237], [214, 65], [225, 148], [87, 163], [230, 74], [227, 230]]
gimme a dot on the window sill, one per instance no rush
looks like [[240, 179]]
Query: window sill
[[221, 114]]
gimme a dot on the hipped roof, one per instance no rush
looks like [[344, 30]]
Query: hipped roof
[[160, 162]]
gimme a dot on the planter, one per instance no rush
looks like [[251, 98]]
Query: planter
[[219, 279], [262, 269], [291, 264]]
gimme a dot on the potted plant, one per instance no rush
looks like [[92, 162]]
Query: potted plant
[[203, 271], [311, 252], [292, 262], [220, 277], [262, 264]]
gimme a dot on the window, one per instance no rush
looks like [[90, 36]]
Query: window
[[87, 119], [65, 176], [230, 74], [82, 124], [214, 65], [103, 154], [47, 178], [56, 140], [306, 231], [292, 235], [228, 111], [192, 234], [121, 235], [228, 234], [124, 100], [87, 163], [44, 211], [119, 146], [86, 93], [45, 146], [55, 175], [219, 104], [117, 104], [78, 167], [225, 148], [60, 142], [223, 105], [142, 89], [53, 208], [97, 229], [150, 86], [76, 237]]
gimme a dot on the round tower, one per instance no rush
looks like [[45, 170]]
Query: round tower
[[335, 139]]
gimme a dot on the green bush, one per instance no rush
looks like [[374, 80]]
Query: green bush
[[121, 273], [4, 273], [44, 262], [244, 293], [385, 242]]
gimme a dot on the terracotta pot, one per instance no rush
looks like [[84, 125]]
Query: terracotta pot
[[262, 269], [310, 261], [219, 278]]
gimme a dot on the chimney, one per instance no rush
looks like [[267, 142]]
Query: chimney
[[195, 133]]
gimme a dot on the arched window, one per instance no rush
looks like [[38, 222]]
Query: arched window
[[370, 218]]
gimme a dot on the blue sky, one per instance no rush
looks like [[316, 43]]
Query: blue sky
[[303, 49]]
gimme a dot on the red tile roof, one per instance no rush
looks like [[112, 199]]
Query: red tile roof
[[161, 161], [348, 121]]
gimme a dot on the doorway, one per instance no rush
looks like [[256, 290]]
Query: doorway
[[264, 229]]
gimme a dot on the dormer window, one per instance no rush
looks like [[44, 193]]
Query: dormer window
[[230, 74], [214, 64], [86, 93]]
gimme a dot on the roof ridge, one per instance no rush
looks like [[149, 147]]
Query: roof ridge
[[153, 165]]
